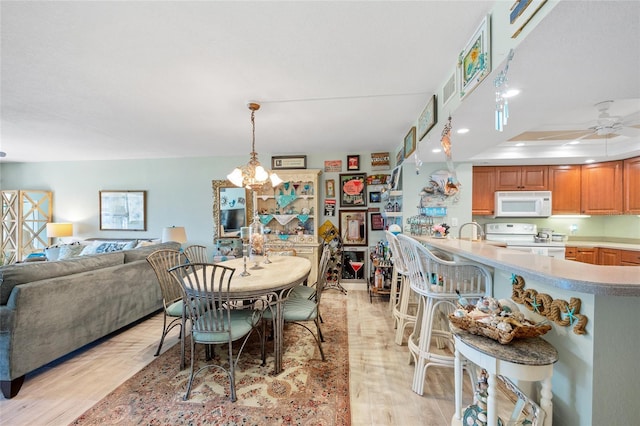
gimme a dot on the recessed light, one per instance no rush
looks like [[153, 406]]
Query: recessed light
[[590, 161], [436, 150], [462, 131], [520, 144], [511, 93]]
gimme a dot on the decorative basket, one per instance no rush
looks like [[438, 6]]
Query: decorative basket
[[475, 327]]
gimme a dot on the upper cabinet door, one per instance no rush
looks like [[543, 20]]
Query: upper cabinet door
[[522, 178], [564, 183], [482, 195], [601, 188], [631, 180]]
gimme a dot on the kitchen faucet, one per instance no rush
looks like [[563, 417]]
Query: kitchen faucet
[[477, 225]]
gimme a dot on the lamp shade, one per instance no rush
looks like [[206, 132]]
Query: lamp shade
[[59, 230], [174, 233]]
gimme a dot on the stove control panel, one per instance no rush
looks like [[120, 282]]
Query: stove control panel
[[511, 228]]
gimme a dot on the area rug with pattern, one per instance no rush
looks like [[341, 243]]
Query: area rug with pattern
[[308, 391]]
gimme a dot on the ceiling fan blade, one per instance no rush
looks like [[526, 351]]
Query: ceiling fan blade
[[629, 131]]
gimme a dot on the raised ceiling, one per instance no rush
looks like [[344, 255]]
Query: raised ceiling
[[127, 80]]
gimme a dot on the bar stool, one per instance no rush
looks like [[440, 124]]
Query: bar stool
[[529, 360], [402, 300], [436, 280]]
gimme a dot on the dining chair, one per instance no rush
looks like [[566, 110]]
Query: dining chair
[[300, 310], [403, 300], [173, 307], [439, 283], [196, 254], [214, 321], [309, 291]]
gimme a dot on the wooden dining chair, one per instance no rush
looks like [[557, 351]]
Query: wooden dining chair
[[214, 321]]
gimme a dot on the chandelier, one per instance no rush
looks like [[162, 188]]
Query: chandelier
[[252, 175]]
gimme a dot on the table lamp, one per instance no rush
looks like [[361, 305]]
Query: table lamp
[[59, 230], [174, 233]]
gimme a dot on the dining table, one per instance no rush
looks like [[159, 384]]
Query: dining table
[[271, 280]]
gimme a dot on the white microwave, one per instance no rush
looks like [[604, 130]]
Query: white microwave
[[523, 204]]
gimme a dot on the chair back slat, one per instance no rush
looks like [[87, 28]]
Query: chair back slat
[[196, 253], [161, 261], [205, 289]]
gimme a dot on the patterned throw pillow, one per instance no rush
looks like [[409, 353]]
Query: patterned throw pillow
[[70, 250], [107, 247]]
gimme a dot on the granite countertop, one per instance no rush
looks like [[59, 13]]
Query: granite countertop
[[559, 273]]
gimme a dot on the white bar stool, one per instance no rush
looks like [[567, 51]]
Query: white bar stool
[[436, 280], [529, 360], [402, 300]]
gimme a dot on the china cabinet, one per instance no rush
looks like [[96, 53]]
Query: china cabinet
[[289, 213], [25, 214]]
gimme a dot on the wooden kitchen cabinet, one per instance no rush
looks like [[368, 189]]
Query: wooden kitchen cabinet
[[631, 184], [570, 253], [609, 257], [629, 258], [564, 183], [601, 185], [587, 255], [522, 178], [482, 196]]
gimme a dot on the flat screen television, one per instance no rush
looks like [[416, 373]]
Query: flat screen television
[[232, 220]]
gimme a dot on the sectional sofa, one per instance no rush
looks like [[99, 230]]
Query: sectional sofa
[[51, 308]]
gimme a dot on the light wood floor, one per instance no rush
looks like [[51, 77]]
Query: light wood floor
[[380, 373]]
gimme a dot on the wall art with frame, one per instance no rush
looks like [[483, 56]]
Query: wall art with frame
[[410, 142], [474, 62], [353, 162], [354, 264], [353, 227], [353, 190], [377, 221], [123, 211], [428, 118]]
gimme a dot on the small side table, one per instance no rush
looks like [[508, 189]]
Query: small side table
[[523, 359]]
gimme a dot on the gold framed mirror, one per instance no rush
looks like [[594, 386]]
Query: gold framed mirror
[[232, 209]]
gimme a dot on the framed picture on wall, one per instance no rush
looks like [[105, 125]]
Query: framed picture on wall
[[377, 222], [410, 142], [330, 188], [353, 162], [353, 190], [354, 264], [123, 211], [353, 227]]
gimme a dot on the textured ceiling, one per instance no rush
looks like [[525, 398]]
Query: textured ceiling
[[116, 80]]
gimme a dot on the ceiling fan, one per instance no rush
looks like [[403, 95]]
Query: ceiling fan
[[606, 126]]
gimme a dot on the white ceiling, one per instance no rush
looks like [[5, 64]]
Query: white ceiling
[[116, 80]]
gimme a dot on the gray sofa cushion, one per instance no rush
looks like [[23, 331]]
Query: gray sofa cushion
[[142, 252], [12, 275]]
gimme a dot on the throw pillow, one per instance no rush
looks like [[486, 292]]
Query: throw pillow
[[67, 251]]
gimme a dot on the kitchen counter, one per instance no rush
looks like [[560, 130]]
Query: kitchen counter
[[595, 379], [559, 273], [603, 244]]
